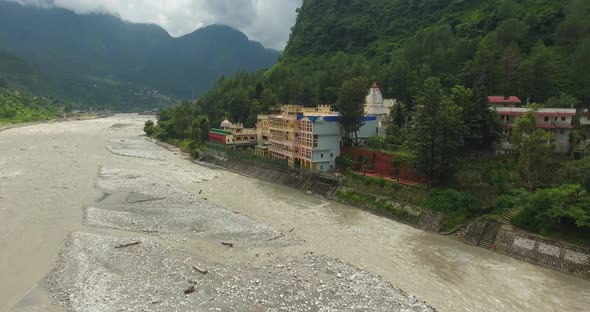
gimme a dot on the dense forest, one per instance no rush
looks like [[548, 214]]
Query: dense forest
[[538, 50], [440, 59]]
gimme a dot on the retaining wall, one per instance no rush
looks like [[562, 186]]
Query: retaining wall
[[303, 181], [554, 254]]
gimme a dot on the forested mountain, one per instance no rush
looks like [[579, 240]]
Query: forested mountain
[[536, 49], [532, 48], [98, 51]]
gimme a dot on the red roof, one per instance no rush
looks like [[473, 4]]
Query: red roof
[[504, 99], [519, 113]]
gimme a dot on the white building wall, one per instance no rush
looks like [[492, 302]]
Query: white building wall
[[329, 139], [368, 129]]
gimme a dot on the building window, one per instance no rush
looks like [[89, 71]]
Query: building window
[[546, 118], [331, 167], [561, 131], [331, 154], [321, 167], [562, 118], [321, 155]]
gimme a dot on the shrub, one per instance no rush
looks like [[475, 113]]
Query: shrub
[[373, 203], [159, 133], [457, 206], [344, 163], [412, 194], [148, 128]]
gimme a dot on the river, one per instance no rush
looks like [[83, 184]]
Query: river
[[49, 171]]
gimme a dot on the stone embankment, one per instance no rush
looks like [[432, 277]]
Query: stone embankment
[[316, 184], [306, 182], [534, 249], [491, 235]]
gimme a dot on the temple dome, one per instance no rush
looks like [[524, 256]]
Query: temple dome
[[225, 124]]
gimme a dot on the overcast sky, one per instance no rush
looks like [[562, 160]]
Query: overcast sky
[[266, 21]]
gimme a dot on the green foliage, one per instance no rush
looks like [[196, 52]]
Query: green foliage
[[517, 199], [491, 176], [562, 212], [562, 101], [18, 106], [575, 172], [412, 194], [148, 128], [344, 164], [463, 42], [482, 127], [533, 147], [436, 132], [351, 105], [374, 203], [458, 207]]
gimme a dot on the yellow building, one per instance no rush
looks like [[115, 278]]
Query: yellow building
[[241, 135], [304, 137], [262, 129]]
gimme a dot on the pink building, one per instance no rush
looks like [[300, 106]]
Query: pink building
[[558, 121]]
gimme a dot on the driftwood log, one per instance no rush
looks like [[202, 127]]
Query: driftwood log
[[128, 244]]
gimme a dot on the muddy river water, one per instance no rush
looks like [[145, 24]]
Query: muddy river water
[[51, 174]]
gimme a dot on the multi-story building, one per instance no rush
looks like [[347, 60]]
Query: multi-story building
[[558, 121], [305, 137]]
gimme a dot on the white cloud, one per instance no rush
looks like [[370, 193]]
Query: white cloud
[[266, 21]]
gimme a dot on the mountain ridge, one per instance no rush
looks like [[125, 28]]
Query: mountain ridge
[[64, 44]]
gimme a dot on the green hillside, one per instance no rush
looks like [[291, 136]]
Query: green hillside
[[536, 49], [77, 89], [532, 48], [16, 106]]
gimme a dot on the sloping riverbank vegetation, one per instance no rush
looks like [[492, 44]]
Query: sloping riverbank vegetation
[[16, 106]]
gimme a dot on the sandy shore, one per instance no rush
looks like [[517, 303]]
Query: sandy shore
[[72, 192]]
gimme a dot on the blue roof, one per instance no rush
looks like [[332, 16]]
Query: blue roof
[[331, 118]]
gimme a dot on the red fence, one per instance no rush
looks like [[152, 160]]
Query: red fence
[[380, 164]]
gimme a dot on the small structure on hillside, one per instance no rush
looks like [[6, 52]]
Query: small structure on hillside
[[377, 106]]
